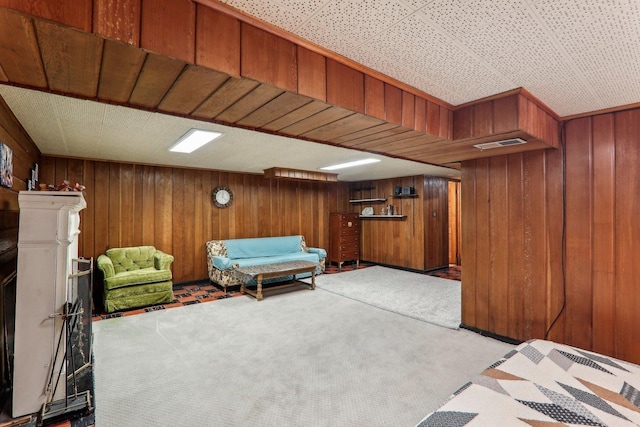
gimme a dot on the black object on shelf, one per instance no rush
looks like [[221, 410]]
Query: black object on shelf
[[404, 191]]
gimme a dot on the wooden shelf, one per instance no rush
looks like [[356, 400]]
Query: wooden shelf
[[374, 200], [401, 196], [300, 175], [383, 216]]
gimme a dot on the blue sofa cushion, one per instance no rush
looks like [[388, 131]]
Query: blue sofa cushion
[[300, 256], [222, 263], [262, 247]]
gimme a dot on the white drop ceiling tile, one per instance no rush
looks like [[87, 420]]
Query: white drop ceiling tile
[[303, 8], [498, 32], [255, 8], [89, 113], [602, 39], [125, 120], [451, 74], [328, 39], [270, 11], [509, 39], [473, 16], [79, 121], [122, 128], [360, 20], [416, 4], [37, 117], [622, 87]]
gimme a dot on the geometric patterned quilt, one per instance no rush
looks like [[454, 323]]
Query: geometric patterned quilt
[[544, 384]]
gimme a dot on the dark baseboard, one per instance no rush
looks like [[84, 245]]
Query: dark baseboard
[[413, 270], [192, 282], [491, 334]]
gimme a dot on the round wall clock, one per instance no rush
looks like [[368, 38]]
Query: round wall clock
[[222, 196]]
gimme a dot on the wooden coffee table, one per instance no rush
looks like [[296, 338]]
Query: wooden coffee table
[[268, 271]]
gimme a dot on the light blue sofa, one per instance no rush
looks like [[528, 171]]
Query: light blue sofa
[[223, 256]]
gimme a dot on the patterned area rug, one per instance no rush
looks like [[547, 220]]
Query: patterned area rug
[[184, 294], [453, 272]]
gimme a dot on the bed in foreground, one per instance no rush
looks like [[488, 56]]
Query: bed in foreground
[[542, 383]]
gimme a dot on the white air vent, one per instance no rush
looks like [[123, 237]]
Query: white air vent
[[498, 144]]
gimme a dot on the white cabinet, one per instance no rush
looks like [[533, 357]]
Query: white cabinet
[[47, 244]]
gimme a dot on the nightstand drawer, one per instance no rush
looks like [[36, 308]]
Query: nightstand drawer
[[348, 217], [353, 247], [349, 255], [349, 232], [354, 238]]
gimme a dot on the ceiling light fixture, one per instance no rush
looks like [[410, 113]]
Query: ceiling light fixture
[[350, 164], [194, 139]]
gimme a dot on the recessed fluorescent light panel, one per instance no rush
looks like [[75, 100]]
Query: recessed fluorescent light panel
[[193, 140], [350, 164]]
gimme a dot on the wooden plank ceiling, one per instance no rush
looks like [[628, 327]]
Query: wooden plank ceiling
[[48, 56]]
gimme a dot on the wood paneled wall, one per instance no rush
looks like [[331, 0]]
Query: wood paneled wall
[[397, 242], [436, 222], [25, 155], [455, 230], [514, 114], [512, 211], [418, 241], [504, 114], [171, 208]]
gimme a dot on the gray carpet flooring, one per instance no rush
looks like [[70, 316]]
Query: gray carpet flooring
[[299, 357], [427, 298]]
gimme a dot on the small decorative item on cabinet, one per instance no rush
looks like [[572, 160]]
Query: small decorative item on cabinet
[[344, 238], [64, 186]]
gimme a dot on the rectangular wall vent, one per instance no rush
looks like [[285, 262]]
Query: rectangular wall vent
[[498, 144]]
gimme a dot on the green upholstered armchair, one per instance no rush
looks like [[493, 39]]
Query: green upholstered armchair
[[135, 277]]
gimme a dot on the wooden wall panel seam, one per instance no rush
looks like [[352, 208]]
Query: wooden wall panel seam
[[604, 240], [627, 234]]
